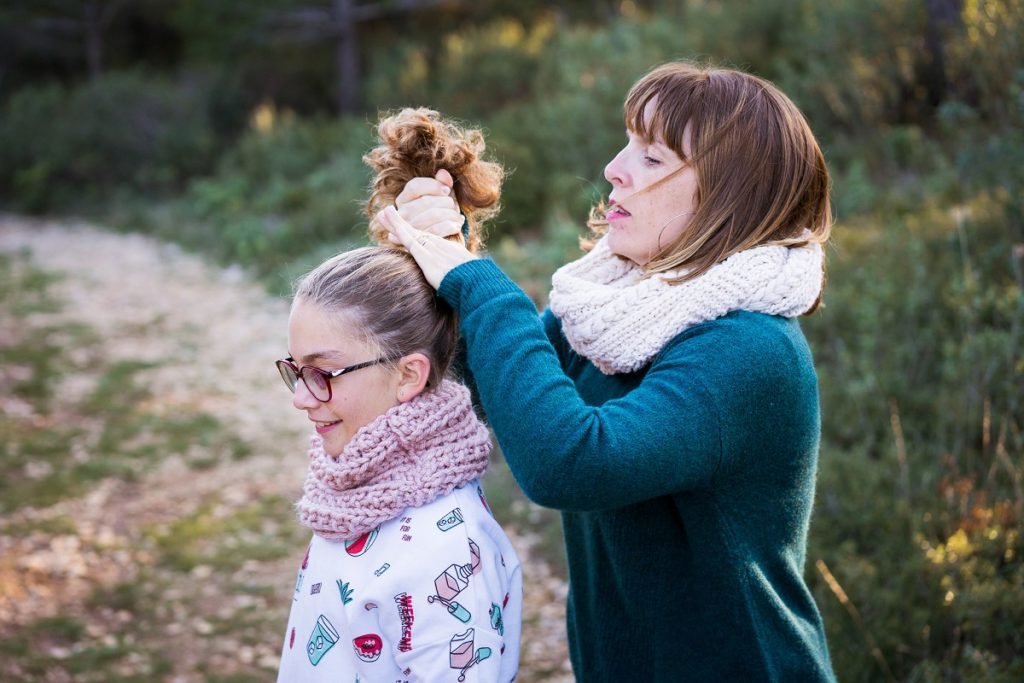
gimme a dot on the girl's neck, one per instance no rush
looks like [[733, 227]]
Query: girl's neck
[[435, 440]]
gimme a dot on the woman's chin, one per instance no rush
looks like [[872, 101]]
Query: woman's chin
[[618, 244]]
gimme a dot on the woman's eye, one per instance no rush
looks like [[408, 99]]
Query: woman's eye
[[651, 161]]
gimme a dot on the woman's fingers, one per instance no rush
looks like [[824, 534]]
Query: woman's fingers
[[421, 187], [435, 255], [437, 215], [428, 204]]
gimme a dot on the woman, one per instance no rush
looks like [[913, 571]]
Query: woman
[[667, 401]]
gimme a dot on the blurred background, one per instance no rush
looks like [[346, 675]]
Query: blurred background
[[148, 457]]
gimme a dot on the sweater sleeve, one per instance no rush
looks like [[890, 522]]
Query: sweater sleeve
[[661, 438]]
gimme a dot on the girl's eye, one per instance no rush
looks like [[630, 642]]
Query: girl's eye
[[650, 161]]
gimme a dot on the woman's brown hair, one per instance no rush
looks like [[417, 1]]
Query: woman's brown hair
[[419, 143], [761, 177]]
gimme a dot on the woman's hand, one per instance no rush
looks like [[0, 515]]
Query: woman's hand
[[435, 255], [427, 204]]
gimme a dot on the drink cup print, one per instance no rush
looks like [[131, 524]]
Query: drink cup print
[[322, 639], [451, 520]]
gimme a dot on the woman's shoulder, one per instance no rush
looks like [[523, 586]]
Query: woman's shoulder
[[739, 331], [754, 346]]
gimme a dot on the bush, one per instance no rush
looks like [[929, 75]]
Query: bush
[[125, 130], [281, 192], [920, 510]]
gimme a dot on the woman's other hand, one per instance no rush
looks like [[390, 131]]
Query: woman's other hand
[[427, 204], [435, 255]]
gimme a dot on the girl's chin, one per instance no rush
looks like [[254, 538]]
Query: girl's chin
[[334, 447]]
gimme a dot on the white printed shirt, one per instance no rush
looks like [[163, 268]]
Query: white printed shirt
[[432, 596]]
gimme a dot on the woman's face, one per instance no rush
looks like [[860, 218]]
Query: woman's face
[[641, 223], [320, 339]]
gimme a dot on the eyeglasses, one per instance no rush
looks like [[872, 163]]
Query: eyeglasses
[[317, 381]]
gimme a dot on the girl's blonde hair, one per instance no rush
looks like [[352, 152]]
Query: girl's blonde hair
[[381, 293], [761, 177], [418, 143]]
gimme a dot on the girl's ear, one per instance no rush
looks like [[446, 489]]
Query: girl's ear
[[413, 374]]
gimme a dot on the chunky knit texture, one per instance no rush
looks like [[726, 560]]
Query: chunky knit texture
[[619, 319], [407, 457], [686, 487]]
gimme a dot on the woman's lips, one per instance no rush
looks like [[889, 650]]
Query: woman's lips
[[615, 212]]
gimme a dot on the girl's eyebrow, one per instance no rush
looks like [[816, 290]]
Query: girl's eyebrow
[[320, 355]]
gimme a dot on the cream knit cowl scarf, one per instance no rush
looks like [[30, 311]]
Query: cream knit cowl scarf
[[619, 320], [412, 454]]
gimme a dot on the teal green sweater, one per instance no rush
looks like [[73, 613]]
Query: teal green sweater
[[685, 488]]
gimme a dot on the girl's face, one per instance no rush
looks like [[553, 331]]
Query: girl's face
[[641, 223], [321, 339]]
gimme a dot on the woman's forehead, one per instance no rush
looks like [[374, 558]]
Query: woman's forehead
[[651, 122]]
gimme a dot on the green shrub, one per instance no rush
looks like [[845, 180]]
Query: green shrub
[[278, 194], [122, 130], [919, 509]]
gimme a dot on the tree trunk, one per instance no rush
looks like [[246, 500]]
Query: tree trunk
[[346, 56], [944, 19], [92, 23]]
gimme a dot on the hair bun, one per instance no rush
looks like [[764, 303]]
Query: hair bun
[[419, 143]]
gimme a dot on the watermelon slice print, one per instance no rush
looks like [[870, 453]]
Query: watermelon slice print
[[359, 546]]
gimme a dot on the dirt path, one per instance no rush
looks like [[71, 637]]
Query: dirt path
[[182, 570]]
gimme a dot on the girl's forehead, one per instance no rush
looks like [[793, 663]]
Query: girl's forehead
[[312, 327]]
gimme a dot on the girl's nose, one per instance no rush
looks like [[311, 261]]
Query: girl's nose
[[614, 172], [302, 399]]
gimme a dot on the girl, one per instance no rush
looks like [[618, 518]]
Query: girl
[[408, 577], [667, 401]]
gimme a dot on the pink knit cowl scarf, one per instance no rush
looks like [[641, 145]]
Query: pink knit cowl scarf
[[415, 452]]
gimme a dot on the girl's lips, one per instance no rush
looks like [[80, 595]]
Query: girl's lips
[[615, 213], [324, 428]]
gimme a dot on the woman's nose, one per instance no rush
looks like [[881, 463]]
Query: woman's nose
[[615, 173]]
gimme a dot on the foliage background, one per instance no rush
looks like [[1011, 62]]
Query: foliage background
[[219, 125]]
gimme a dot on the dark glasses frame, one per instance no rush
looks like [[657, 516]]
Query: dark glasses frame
[[291, 373]]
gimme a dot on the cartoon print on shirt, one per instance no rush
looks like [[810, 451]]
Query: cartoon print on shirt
[[346, 592], [359, 545], [451, 520], [405, 613], [496, 621], [368, 647], [453, 580], [448, 585], [483, 500], [302, 573], [406, 528], [321, 640], [461, 654]]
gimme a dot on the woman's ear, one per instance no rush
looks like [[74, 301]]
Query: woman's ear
[[413, 375]]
